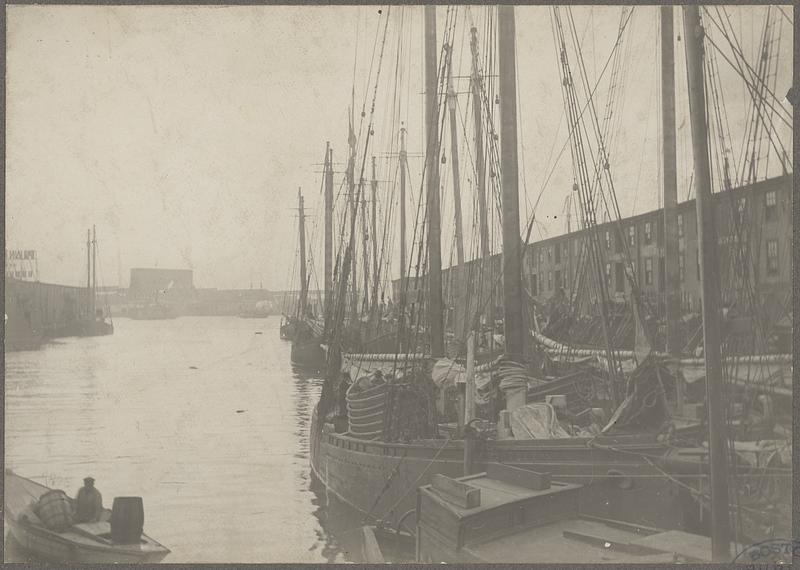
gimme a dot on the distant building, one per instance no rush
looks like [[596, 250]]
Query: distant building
[[756, 219], [147, 282]]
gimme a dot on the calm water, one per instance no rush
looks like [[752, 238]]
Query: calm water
[[203, 417]]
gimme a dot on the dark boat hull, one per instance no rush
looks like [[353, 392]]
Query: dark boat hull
[[623, 485], [287, 331], [308, 354]]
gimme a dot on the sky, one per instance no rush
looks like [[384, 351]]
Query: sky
[[184, 133]]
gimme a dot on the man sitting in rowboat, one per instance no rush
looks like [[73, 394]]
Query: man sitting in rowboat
[[88, 502]]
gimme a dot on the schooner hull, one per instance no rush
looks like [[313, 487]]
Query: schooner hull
[[623, 485], [308, 354]]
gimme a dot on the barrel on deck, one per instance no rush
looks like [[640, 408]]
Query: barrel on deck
[[54, 510], [127, 520]]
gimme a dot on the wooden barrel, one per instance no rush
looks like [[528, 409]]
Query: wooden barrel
[[54, 510], [127, 520]]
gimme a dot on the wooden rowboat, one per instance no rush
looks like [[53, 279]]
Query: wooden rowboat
[[84, 543]]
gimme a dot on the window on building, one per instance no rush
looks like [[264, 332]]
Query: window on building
[[632, 236], [680, 225], [771, 210], [648, 232], [558, 253], [565, 254], [549, 280], [549, 255], [648, 271], [742, 209], [608, 275], [618, 241], [541, 257], [682, 266], [662, 274], [534, 284], [772, 257], [559, 284], [608, 240], [620, 277]]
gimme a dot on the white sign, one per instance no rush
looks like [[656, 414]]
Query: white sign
[[21, 254], [22, 264]]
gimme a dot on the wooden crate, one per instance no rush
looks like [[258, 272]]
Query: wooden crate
[[477, 508]]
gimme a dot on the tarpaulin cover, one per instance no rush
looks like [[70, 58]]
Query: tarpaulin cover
[[357, 369], [536, 421], [447, 373]]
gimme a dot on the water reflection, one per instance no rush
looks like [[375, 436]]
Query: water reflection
[[203, 417]]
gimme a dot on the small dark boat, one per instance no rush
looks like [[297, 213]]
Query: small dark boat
[[308, 355], [306, 349], [301, 327], [82, 543]]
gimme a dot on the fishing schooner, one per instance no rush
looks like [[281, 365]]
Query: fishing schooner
[[601, 416]]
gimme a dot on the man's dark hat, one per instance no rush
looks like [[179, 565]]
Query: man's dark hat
[[88, 479]]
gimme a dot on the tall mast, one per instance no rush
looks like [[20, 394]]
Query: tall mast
[[435, 316], [403, 258], [303, 278], [351, 200], [480, 167], [670, 181], [89, 291], [451, 104], [94, 271], [512, 278], [365, 238], [328, 231], [709, 279], [374, 233], [458, 324], [403, 169]]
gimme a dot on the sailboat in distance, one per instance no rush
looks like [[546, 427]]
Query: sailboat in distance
[[98, 322], [306, 349]]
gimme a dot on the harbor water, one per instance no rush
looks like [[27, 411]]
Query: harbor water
[[204, 417]]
